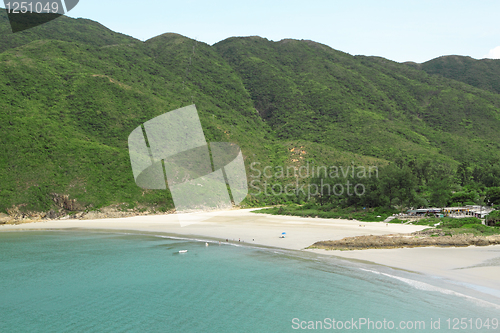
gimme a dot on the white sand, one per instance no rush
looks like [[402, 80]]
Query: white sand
[[459, 264], [234, 225], [471, 265]]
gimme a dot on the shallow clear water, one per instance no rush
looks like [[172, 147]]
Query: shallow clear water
[[100, 282]]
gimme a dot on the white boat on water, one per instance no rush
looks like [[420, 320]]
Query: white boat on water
[[183, 251]]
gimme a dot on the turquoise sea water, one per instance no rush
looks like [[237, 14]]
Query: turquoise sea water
[[74, 281]]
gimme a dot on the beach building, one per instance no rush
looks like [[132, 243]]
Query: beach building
[[479, 211], [458, 212], [421, 212], [468, 211]]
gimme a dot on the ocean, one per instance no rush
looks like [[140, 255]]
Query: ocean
[[92, 281]]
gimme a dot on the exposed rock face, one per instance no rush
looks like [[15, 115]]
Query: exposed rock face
[[15, 215], [63, 201], [51, 214], [63, 205], [114, 212], [407, 240], [4, 218]]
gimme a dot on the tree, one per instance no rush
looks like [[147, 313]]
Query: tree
[[493, 195], [440, 186], [464, 173]]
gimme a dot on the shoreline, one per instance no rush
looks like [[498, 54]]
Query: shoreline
[[261, 229], [475, 267], [467, 266]]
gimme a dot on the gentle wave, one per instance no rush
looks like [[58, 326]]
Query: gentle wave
[[428, 287]]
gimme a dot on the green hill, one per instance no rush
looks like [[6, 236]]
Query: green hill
[[484, 73], [63, 29], [367, 105], [71, 91]]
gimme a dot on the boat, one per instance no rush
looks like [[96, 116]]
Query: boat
[[183, 251]]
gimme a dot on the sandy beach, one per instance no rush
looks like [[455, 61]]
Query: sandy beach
[[471, 265]]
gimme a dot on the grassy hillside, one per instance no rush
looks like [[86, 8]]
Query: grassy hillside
[[62, 28], [71, 91], [367, 105], [484, 73]]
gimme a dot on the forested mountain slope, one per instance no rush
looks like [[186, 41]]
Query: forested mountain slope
[[483, 73], [71, 91]]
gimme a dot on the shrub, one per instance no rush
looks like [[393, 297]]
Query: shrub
[[457, 223]]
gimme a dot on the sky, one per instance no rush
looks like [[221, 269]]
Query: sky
[[402, 30]]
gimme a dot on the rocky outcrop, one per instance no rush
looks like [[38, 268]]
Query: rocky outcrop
[[406, 240], [64, 202], [115, 212], [70, 209], [4, 218]]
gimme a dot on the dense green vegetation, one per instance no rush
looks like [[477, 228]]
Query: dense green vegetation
[[330, 212], [71, 91], [400, 185], [367, 105], [493, 218], [67, 108], [484, 73], [454, 226]]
